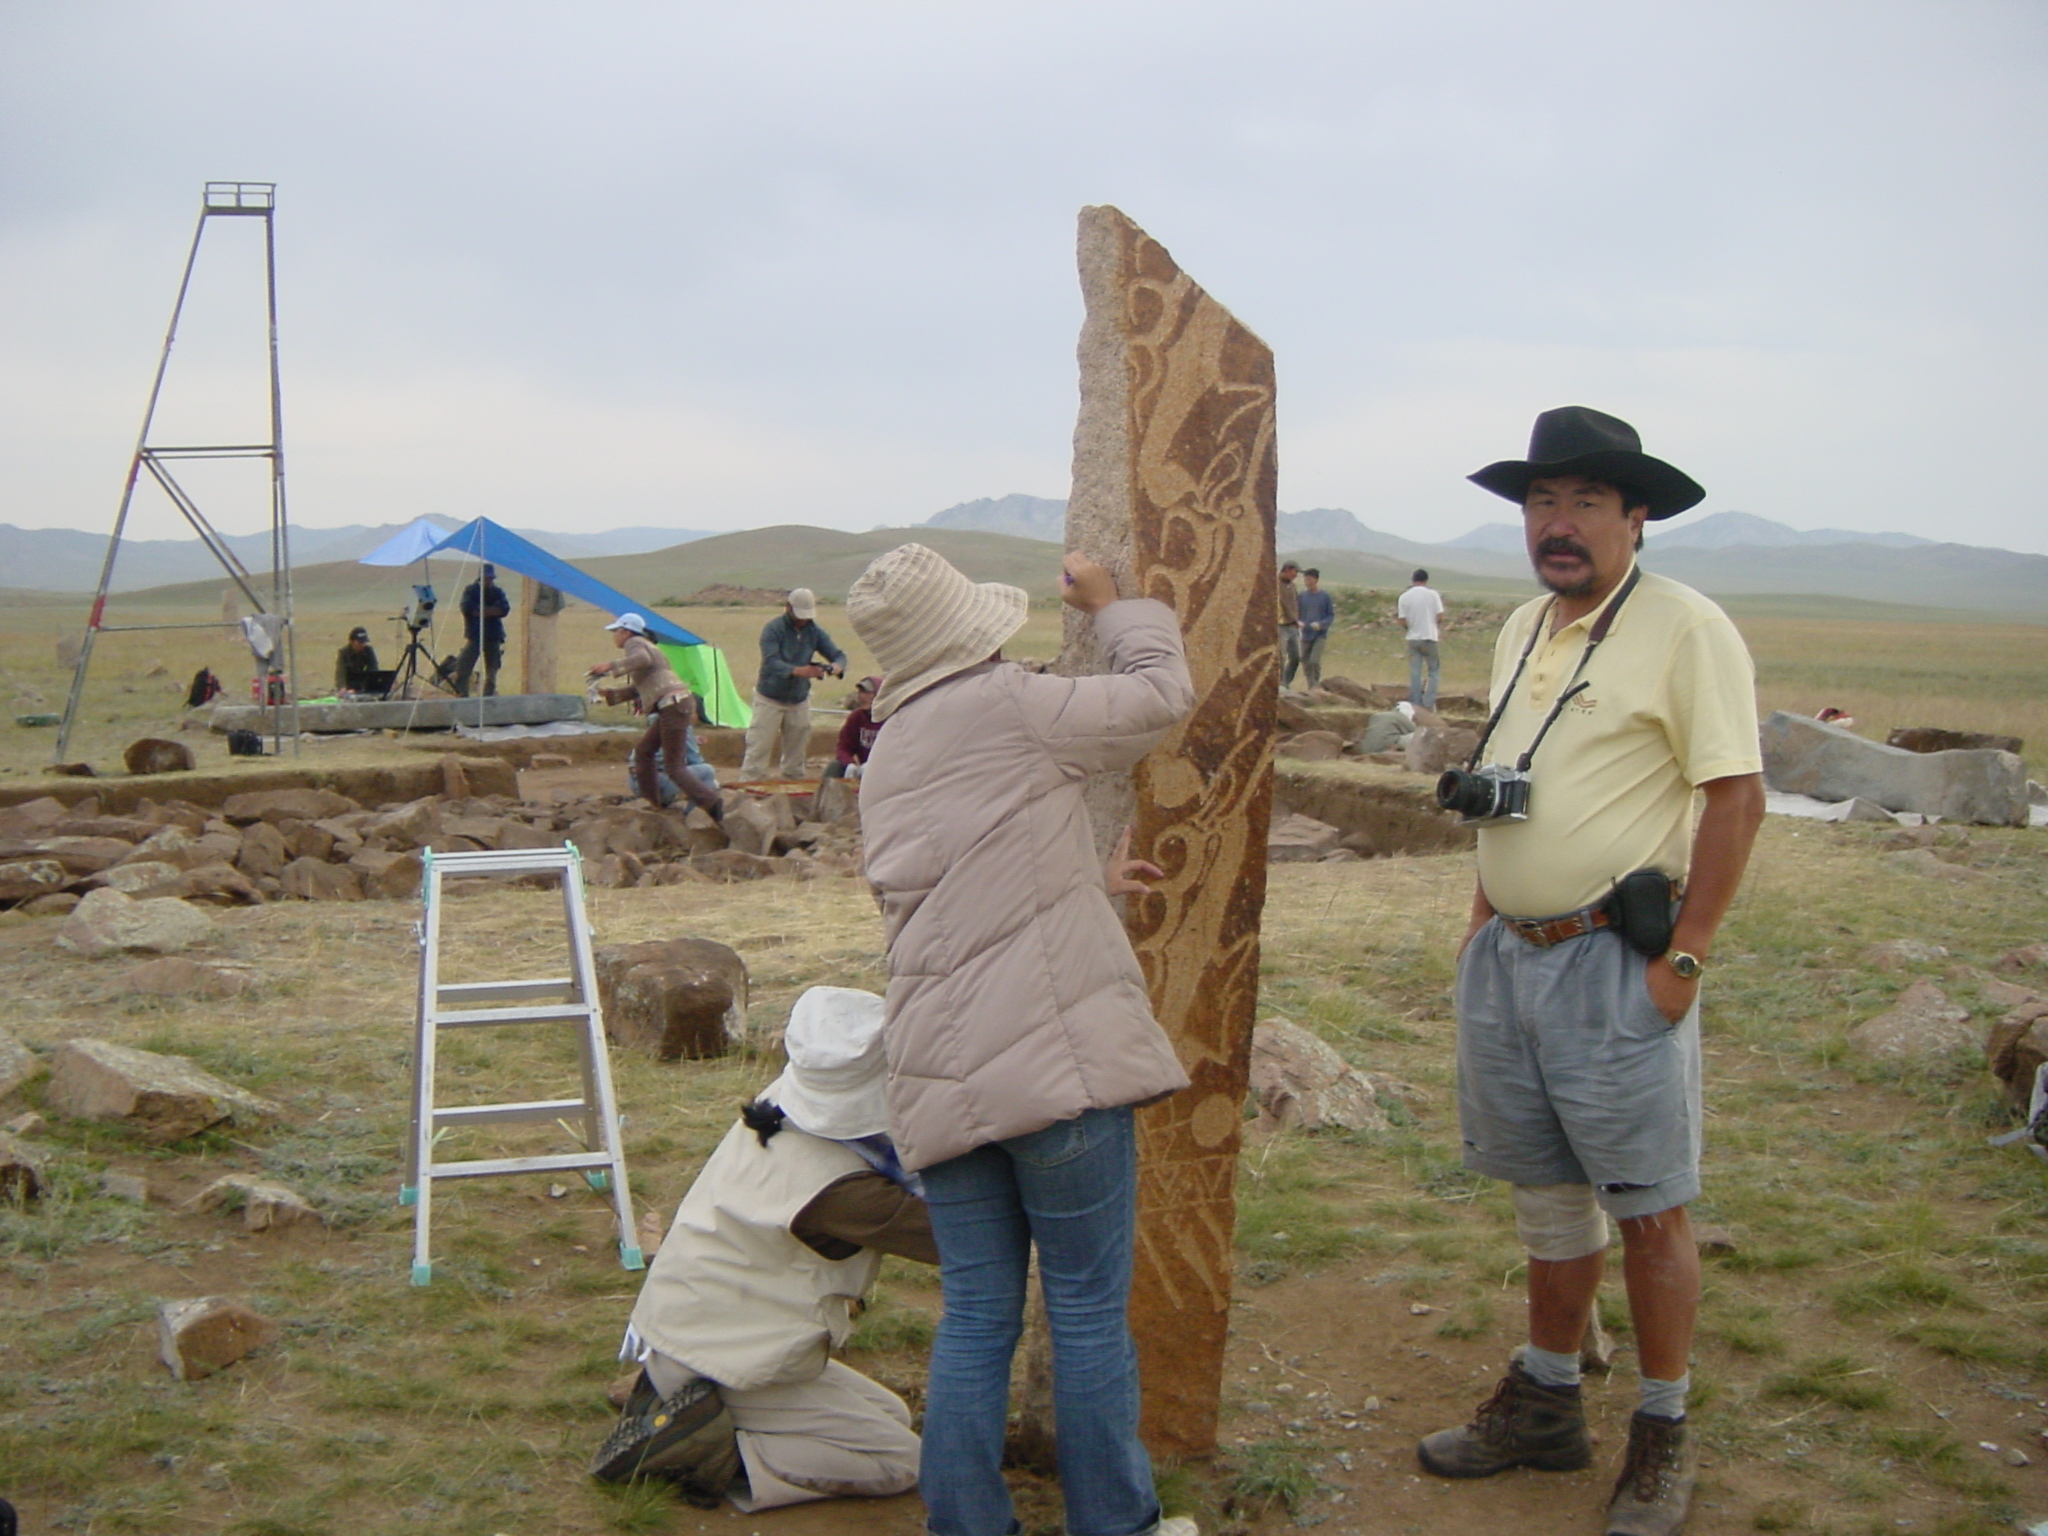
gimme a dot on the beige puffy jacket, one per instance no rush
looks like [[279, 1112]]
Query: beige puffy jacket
[[1014, 998]]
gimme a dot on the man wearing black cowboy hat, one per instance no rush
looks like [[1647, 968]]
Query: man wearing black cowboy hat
[[1620, 695]]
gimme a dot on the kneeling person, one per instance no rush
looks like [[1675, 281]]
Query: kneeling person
[[756, 1283]]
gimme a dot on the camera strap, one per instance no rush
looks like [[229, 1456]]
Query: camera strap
[[1573, 688]]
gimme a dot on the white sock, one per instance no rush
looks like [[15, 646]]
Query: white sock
[[1548, 1369], [1664, 1399]]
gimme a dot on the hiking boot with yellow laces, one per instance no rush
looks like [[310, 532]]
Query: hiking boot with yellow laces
[[1655, 1486], [1524, 1424]]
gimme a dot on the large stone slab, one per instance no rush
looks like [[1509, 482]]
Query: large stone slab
[[166, 1098], [1805, 757], [1174, 481], [408, 714]]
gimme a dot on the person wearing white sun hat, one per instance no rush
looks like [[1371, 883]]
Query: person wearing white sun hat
[[757, 1282], [1020, 1036]]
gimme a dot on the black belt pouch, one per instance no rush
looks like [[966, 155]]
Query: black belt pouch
[[1641, 908]]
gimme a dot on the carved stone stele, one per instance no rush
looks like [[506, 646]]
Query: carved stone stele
[[1175, 475]]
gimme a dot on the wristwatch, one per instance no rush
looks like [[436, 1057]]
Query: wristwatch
[[1687, 966]]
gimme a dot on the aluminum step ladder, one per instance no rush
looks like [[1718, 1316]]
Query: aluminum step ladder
[[592, 1119]]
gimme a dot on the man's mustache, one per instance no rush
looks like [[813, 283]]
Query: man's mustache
[[1563, 546]]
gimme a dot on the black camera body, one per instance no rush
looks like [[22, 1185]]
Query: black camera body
[[1492, 793]]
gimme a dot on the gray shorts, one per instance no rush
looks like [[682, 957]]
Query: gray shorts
[[1568, 1074]]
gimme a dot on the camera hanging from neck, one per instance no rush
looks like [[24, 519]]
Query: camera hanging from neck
[[1576, 687]]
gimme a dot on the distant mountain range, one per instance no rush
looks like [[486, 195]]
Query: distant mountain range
[[1726, 554], [1730, 554], [65, 560]]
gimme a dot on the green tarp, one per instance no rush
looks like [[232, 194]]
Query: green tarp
[[703, 668]]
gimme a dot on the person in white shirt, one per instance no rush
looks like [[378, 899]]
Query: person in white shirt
[[1420, 607]]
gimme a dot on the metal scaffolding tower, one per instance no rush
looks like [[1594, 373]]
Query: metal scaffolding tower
[[224, 199]]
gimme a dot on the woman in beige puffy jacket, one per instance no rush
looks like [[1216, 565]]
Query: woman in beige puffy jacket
[[1019, 1034]]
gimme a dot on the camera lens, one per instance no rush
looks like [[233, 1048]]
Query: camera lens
[[1463, 792]]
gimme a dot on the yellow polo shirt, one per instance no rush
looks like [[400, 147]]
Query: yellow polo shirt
[[1672, 705]]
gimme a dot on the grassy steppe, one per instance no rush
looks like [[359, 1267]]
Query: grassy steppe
[[1887, 667]]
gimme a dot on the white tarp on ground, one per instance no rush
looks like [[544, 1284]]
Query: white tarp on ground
[[1780, 804]]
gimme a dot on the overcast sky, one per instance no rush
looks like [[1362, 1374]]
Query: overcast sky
[[721, 266]]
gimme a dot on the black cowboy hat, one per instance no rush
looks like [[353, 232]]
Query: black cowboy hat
[[1577, 440]]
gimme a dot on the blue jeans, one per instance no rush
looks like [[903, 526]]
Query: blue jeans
[[1423, 665], [1071, 1188]]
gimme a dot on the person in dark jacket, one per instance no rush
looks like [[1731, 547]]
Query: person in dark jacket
[[790, 647], [355, 664], [484, 606]]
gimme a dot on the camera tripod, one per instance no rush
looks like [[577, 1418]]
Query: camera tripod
[[409, 664]]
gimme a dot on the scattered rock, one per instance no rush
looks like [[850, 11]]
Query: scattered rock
[[542, 761], [23, 880], [389, 876], [1922, 1022], [836, 801], [1932, 738], [1714, 1242], [317, 880], [18, 1064], [154, 754], [72, 770], [166, 1098], [730, 864], [137, 876], [2027, 958], [107, 923], [673, 998], [1925, 861], [1300, 1083], [1892, 954], [263, 1204], [206, 1334], [750, 825], [1312, 746], [131, 1187], [176, 976], [2016, 1047], [28, 1124], [278, 804], [1297, 839], [21, 1172], [1431, 749], [56, 903], [1357, 693]]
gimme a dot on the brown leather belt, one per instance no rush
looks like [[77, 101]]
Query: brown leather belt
[[1544, 933]]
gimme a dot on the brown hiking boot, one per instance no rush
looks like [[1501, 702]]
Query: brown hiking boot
[[1655, 1486], [1524, 1424]]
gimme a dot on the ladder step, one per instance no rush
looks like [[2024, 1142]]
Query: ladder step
[[564, 1162], [507, 861], [494, 991], [480, 1114], [462, 1018]]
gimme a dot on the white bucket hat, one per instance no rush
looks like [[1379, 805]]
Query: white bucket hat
[[925, 621], [836, 1081]]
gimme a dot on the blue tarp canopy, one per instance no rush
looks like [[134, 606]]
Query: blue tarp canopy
[[415, 541], [489, 542]]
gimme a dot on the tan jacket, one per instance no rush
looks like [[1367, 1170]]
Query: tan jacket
[[648, 676], [1014, 998], [734, 1294]]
